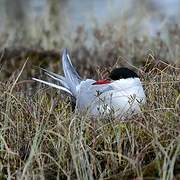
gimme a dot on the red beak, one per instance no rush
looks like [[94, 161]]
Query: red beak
[[101, 82]]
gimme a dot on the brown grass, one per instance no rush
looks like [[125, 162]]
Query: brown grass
[[42, 138]]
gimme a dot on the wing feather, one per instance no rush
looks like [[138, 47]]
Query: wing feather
[[53, 85], [72, 77]]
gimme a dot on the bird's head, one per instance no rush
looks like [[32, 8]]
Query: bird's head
[[117, 74], [122, 73]]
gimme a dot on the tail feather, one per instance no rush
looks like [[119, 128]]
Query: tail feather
[[53, 85], [57, 77], [72, 77], [68, 83], [62, 81]]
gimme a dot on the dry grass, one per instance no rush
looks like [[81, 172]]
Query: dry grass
[[41, 138]]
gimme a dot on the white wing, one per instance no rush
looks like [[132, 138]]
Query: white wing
[[72, 77]]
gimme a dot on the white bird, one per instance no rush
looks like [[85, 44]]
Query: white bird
[[121, 95]]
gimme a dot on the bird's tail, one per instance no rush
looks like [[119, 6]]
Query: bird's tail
[[69, 81]]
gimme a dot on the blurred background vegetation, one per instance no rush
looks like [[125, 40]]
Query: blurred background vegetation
[[97, 33], [52, 24]]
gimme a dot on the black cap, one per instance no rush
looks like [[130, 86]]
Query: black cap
[[122, 73]]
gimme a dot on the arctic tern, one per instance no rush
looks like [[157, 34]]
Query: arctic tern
[[120, 95]]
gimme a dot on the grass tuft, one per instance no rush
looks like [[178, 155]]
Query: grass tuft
[[41, 137]]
